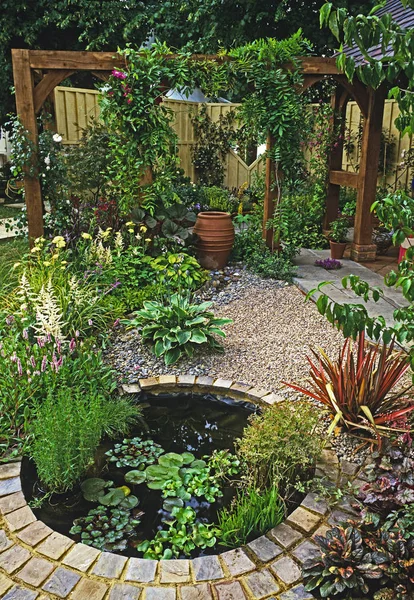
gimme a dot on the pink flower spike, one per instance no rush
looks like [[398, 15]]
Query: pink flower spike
[[44, 364], [19, 367], [72, 345]]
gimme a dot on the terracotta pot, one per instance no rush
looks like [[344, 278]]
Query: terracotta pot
[[337, 249], [216, 236]]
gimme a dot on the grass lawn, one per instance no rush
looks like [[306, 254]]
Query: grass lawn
[[11, 251], [6, 212]]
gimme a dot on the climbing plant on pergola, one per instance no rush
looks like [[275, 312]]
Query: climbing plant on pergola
[[38, 72]]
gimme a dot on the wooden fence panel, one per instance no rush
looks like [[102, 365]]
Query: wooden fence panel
[[395, 144]]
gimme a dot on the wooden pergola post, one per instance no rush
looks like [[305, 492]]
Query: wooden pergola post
[[270, 193], [23, 83], [339, 103], [363, 249]]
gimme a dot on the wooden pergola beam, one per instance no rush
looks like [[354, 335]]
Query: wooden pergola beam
[[344, 178]]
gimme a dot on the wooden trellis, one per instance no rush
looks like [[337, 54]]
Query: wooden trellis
[[38, 72]]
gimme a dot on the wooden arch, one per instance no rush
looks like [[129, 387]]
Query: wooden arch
[[54, 66]]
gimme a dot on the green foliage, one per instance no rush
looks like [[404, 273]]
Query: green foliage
[[183, 535], [357, 388], [276, 265], [280, 446], [219, 199], [274, 105], [93, 490], [252, 513], [106, 528], [397, 212], [134, 453], [31, 366], [179, 271], [80, 421], [178, 327], [300, 221], [213, 141], [339, 230], [395, 43]]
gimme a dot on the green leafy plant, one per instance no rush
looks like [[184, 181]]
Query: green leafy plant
[[179, 271], [134, 452], [219, 199], [280, 446], [106, 528], [357, 387], [177, 328], [213, 141], [67, 430], [94, 490], [252, 513], [183, 535], [339, 230]]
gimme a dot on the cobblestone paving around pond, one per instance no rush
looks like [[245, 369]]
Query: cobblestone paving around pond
[[37, 563]]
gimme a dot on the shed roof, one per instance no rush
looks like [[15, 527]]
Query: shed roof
[[403, 16]]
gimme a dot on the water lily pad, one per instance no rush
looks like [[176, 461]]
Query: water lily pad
[[114, 497], [93, 488], [129, 502], [171, 459], [136, 477]]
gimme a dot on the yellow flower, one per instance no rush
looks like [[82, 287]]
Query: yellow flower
[[61, 244], [130, 224], [143, 228], [147, 239], [58, 239], [55, 256], [64, 262], [86, 236], [16, 265], [35, 249], [46, 263], [131, 230]]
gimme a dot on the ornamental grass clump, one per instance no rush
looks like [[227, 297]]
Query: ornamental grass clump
[[357, 388]]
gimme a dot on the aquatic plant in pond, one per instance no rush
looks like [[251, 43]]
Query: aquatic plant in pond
[[106, 528], [135, 452]]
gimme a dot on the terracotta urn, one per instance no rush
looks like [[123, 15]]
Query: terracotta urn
[[215, 231]]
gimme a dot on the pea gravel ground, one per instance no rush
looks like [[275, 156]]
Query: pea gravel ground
[[267, 343]]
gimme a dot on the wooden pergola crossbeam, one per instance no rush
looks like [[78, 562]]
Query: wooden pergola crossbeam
[[54, 66]]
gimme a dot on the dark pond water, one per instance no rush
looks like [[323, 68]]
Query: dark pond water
[[197, 424]]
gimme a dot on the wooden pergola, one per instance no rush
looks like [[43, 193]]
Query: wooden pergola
[[37, 73]]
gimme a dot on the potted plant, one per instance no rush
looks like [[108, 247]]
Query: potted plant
[[337, 237]]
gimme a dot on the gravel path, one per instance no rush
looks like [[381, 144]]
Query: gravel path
[[267, 343]]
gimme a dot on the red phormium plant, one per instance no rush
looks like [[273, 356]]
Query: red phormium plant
[[357, 387]]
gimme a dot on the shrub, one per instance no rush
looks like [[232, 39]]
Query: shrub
[[67, 430], [357, 387], [178, 327], [252, 513], [280, 445]]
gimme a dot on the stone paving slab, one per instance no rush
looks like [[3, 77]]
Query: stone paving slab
[[37, 563], [309, 277]]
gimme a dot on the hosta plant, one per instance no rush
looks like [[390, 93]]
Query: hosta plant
[[135, 452], [357, 388], [106, 528], [178, 327]]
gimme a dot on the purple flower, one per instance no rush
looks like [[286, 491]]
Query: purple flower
[[119, 74], [40, 342], [72, 345], [25, 334], [329, 264], [117, 322], [9, 320], [44, 364], [33, 361], [90, 322], [19, 367]]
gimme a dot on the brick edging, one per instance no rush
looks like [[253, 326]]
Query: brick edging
[[36, 560]]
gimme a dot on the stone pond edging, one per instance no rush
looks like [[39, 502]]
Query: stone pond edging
[[37, 563]]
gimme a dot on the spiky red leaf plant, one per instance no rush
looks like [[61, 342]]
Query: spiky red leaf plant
[[357, 387]]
